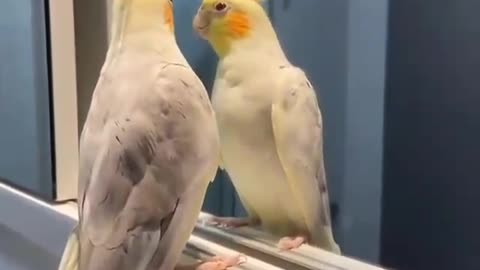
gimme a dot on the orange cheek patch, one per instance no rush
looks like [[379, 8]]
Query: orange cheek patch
[[238, 24], [169, 16]]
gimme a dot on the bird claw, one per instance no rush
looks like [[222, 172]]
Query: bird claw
[[222, 263], [289, 243]]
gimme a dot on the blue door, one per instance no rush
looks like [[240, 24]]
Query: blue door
[[25, 138]]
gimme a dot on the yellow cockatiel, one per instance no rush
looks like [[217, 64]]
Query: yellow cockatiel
[[270, 126], [148, 150]]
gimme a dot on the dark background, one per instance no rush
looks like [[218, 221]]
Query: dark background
[[431, 190]]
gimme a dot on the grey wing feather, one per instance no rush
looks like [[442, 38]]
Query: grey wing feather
[[144, 166], [124, 198]]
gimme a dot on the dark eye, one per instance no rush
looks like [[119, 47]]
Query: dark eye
[[220, 6]]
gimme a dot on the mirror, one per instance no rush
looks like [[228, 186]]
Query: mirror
[[397, 87]]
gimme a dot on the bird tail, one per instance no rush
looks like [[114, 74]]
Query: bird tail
[[71, 253], [323, 238], [331, 245]]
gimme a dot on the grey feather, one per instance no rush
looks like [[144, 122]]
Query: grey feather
[[148, 150]]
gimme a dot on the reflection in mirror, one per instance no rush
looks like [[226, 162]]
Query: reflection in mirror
[[376, 66], [270, 126], [286, 198]]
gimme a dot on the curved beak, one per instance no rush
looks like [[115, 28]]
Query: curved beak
[[201, 22]]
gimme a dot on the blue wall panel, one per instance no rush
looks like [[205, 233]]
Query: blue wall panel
[[25, 149]]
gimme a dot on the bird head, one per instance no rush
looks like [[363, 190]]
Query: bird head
[[224, 22]]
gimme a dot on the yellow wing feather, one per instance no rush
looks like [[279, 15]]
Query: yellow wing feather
[[297, 126]]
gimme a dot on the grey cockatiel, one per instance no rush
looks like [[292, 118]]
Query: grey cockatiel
[[148, 150], [270, 126]]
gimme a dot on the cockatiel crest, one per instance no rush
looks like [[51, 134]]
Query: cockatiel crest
[[156, 7]]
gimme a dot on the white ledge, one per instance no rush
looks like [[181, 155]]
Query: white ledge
[[48, 226], [305, 257]]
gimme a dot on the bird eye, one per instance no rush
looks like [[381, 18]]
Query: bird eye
[[220, 6]]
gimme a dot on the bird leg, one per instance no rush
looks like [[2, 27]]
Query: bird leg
[[289, 243], [216, 263]]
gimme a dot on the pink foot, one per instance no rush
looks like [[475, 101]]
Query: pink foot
[[222, 263], [230, 222], [289, 243]]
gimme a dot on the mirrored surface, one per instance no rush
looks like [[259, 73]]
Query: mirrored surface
[[397, 85], [346, 64]]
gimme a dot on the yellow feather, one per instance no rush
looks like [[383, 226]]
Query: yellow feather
[[239, 25], [168, 14]]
